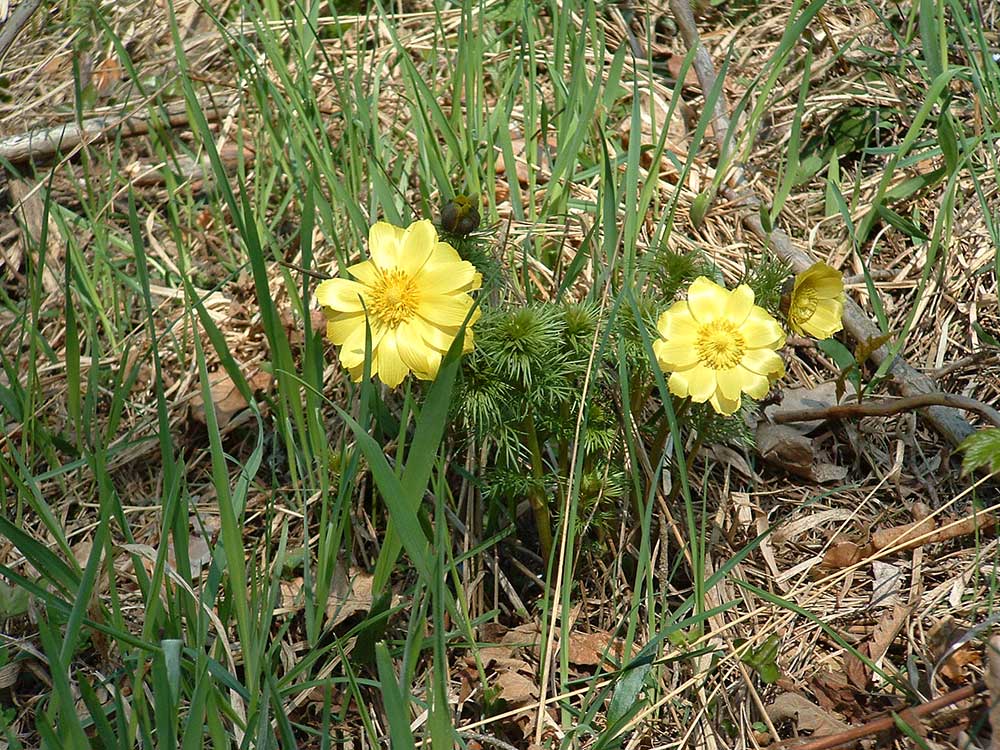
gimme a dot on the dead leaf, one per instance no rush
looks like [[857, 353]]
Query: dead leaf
[[352, 593], [833, 693], [887, 579], [527, 635], [514, 687], [28, 202], [726, 455], [952, 669], [951, 647], [795, 399], [784, 446], [654, 107], [843, 555], [226, 397], [589, 649], [106, 74], [199, 554], [544, 157], [888, 627], [807, 715], [292, 599]]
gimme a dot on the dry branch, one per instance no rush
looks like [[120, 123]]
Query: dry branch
[[42, 144], [881, 725], [888, 407], [15, 23], [993, 682], [906, 380]]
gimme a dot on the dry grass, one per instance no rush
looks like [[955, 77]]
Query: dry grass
[[942, 590]]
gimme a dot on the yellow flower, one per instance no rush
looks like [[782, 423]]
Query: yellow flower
[[414, 291], [718, 345], [817, 302]]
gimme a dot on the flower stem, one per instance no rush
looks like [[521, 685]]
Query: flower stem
[[660, 440], [539, 502]]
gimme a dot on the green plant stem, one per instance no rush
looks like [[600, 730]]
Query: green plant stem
[[539, 502], [661, 435]]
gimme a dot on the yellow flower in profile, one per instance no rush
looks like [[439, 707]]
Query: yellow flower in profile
[[718, 344], [414, 292], [817, 302]]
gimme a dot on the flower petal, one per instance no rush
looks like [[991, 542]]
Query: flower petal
[[760, 330], [387, 363], [366, 272], [444, 309], [413, 350], [706, 300], [417, 246], [675, 354], [739, 304], [826, 319], [826, 280], [352, 353], [384, 242], [340, 326], [443, 253], [341, 295], [763, 362], [754, 385], [677, 323], [723, 405], [449, 277], [699, 383], [731, 383]]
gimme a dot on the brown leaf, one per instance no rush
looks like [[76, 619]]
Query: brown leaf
[[784, 446], [226, 397], [292, 599], [199, 554], [106, 74], [857, 672], [352, 593], [887, 579], [953, 667], [833, 693], [527, 635], [544, 156], [514, 687], [888, 627], [807, 715], [587, 649], [822, 396], [653, 110], [843, 555]]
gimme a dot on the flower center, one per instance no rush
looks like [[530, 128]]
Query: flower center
[[804, 305], [720, 345], [393, 298]]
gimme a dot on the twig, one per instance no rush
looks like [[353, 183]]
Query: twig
[[41, 144], [908, 381], [889, 407], [983, 356], [487, 739], [993, 681], [15, 23], [880, 725]]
